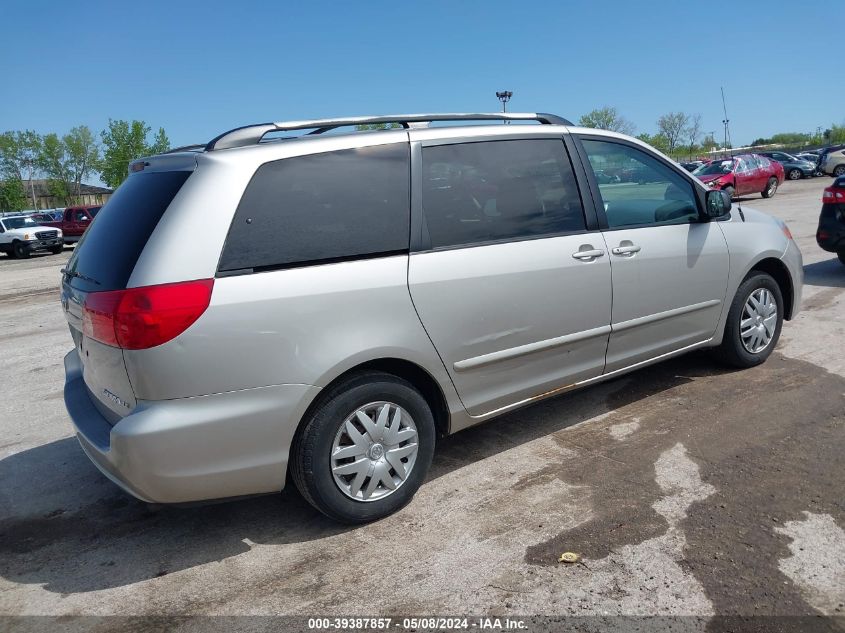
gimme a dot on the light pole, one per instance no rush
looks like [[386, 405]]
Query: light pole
[[504, 96]]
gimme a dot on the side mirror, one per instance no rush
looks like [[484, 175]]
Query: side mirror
[[718, 204]]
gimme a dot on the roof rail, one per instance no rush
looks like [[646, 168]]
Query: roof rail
[[252, 134], [186, 148]]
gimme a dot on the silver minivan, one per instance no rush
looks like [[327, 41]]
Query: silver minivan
[[311, 299]]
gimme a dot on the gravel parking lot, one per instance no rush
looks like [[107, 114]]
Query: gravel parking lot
[[687, 489]]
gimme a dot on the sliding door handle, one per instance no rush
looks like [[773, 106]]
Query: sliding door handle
[[588, 255], [628, 249]]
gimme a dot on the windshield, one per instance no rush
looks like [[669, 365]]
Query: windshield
[[19, 223], [715, 168]]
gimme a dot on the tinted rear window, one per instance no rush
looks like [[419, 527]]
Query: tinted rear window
[[112, 244], [322, 207]]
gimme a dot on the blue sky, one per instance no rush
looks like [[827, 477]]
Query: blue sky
[[198, 68]]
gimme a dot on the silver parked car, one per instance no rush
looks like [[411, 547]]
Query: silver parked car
[[328, 304]]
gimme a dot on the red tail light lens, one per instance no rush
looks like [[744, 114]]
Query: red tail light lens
[[140, 318], [832, 196]]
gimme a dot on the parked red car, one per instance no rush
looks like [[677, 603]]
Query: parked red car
[[74, 221], [742, 175]]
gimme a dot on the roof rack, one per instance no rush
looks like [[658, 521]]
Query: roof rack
[[252, 134], [187, 148]]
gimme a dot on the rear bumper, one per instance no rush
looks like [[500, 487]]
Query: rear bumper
[[830, 235], [191, 449]]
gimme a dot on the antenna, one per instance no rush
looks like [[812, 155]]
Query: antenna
[[726, 122]]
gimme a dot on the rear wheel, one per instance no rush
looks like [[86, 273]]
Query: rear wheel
[[20, 251], [794, 174], [366, 448], [771, 188], [754, 322]]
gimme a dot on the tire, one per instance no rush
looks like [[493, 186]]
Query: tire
[[57, 250], [733, 350], [771, 188], [794, 174], [731, 191], [19, 251], [325, 432], [839, 171]]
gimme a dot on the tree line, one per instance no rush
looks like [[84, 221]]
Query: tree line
[[679, 134], [68, 160]]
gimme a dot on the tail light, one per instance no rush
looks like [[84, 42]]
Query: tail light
[[140, 318], [831, 196]]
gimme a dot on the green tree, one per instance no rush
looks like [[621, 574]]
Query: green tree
[[837, 134], [12, 195], [791, 138], [693, 131], [54, 164], [657, 141], [607, 118], [123, 142], [673, 126], [19, 152], [83, 156]]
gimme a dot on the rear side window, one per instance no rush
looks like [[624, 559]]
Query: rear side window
[[110, 247], [322, 207], [496, 190]]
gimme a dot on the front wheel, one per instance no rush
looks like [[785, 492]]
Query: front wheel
[[839, 171], [57, 249], [731, 191], [794, 174], [20, 250], [754, 322], [771, 188], [365, 449]]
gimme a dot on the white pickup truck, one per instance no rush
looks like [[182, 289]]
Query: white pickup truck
[[21, 236]]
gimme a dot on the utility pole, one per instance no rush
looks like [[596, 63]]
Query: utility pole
[[726, 121]]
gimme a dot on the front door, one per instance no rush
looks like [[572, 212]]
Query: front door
[[511, 287], [670, 268]]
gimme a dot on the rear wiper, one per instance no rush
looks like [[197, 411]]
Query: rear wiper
[[73, 273]]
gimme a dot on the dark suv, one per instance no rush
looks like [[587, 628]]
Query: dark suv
[[831, 233]]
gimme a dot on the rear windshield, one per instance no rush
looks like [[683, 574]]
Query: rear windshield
[[107, 253]]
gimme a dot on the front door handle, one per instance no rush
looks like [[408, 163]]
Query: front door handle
[[589, 254], [626, 249]]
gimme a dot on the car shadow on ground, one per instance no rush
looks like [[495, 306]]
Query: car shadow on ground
[[64, 526], [829, 273]]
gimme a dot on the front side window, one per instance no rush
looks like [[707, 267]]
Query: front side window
[[499, 190], [322, 207], [643, 190]]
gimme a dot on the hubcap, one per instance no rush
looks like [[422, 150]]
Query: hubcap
[[374, 451], [758, 321]]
